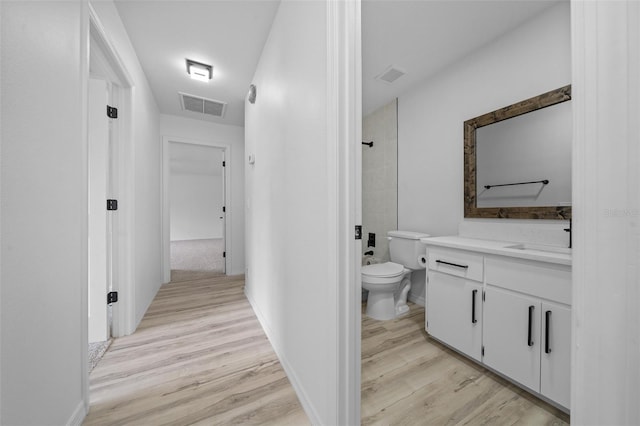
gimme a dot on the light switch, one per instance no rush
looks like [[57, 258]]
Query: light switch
[[252, 158]]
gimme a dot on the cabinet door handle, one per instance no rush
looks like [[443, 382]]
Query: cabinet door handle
[[473, 306], [452, 264], [547, 326], [530, 331]]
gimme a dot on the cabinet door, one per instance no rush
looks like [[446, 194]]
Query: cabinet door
[[454, 313], [512, 335], [555, 368]]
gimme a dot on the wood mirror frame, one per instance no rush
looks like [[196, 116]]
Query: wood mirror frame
[[471, 210]]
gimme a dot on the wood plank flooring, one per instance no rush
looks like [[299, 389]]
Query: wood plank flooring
[[199, 356], [410, 379]]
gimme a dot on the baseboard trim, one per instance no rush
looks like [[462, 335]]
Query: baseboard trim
[[417, 300], [308, 407], [78, 415]]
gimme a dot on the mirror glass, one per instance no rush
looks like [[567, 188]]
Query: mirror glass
[[518, 159], [533, 147]]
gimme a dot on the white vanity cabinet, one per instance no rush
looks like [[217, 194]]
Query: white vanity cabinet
[[527, 324], [454, 300], [512, 336], [511, 314]]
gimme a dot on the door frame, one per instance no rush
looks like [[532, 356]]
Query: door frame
[[166, 201], [123, 275], [123, 323]]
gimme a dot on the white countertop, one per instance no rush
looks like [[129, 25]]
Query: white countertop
[[537, 252]]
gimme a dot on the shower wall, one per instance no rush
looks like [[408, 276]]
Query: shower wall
[[380, 178]]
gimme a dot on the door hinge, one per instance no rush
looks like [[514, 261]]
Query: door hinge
[[112, 297], [483, 351], [224, 164], [224, 209], [358, 232], [112, 204], [224, 254], [483, 295], [112, 112]]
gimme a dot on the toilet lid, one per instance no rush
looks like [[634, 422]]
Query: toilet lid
[[387, 269]]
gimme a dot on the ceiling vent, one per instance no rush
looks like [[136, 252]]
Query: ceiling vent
[[391, 74], [202, 105]]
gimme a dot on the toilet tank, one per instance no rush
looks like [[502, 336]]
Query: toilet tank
[[406, 249]]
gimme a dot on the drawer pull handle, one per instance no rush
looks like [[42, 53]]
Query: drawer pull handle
[[547, 326], [452, 264], [473, 306], [529, 335]]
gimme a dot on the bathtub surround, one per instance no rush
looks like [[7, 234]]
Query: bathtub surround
[[380, 177]]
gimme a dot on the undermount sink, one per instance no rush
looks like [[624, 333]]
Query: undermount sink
[[540, 247]]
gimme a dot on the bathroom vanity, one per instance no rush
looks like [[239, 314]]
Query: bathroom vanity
[[505, 305]]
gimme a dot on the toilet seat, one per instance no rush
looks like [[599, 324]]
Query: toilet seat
[[383, 270]]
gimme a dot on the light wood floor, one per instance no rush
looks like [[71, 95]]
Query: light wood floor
[[410, 379], [199, 356]]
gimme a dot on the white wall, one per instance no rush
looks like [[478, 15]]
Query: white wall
[[286, 202], [530, 60], [196, 205], [232, 137], [43, 212], [144, 203], [196, 195], [300, 269]]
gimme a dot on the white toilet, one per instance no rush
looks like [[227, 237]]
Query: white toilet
[[389, 283]]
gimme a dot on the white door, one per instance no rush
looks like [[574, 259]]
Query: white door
[[98, 166], [512, 335], [555, 368], [454, 312]]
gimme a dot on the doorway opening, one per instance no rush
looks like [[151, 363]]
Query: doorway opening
[[109, 175], [102, 135], [197, 211]]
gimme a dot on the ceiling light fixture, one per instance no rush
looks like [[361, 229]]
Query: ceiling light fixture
[[199, 71]]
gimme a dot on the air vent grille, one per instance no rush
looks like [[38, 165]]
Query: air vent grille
[[391, 74], [202, 105]]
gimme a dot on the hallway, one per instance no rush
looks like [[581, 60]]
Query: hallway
[[199, 356]]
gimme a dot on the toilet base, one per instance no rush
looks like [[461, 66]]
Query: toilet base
[[381, 305], [386, 305]]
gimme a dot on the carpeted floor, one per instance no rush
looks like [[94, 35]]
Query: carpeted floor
[[96, 352], [200, 257]]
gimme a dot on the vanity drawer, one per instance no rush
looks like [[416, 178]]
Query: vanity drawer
[[458, 263], [544, 280]]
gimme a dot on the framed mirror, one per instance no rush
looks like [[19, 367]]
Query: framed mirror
[[517, 160]]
